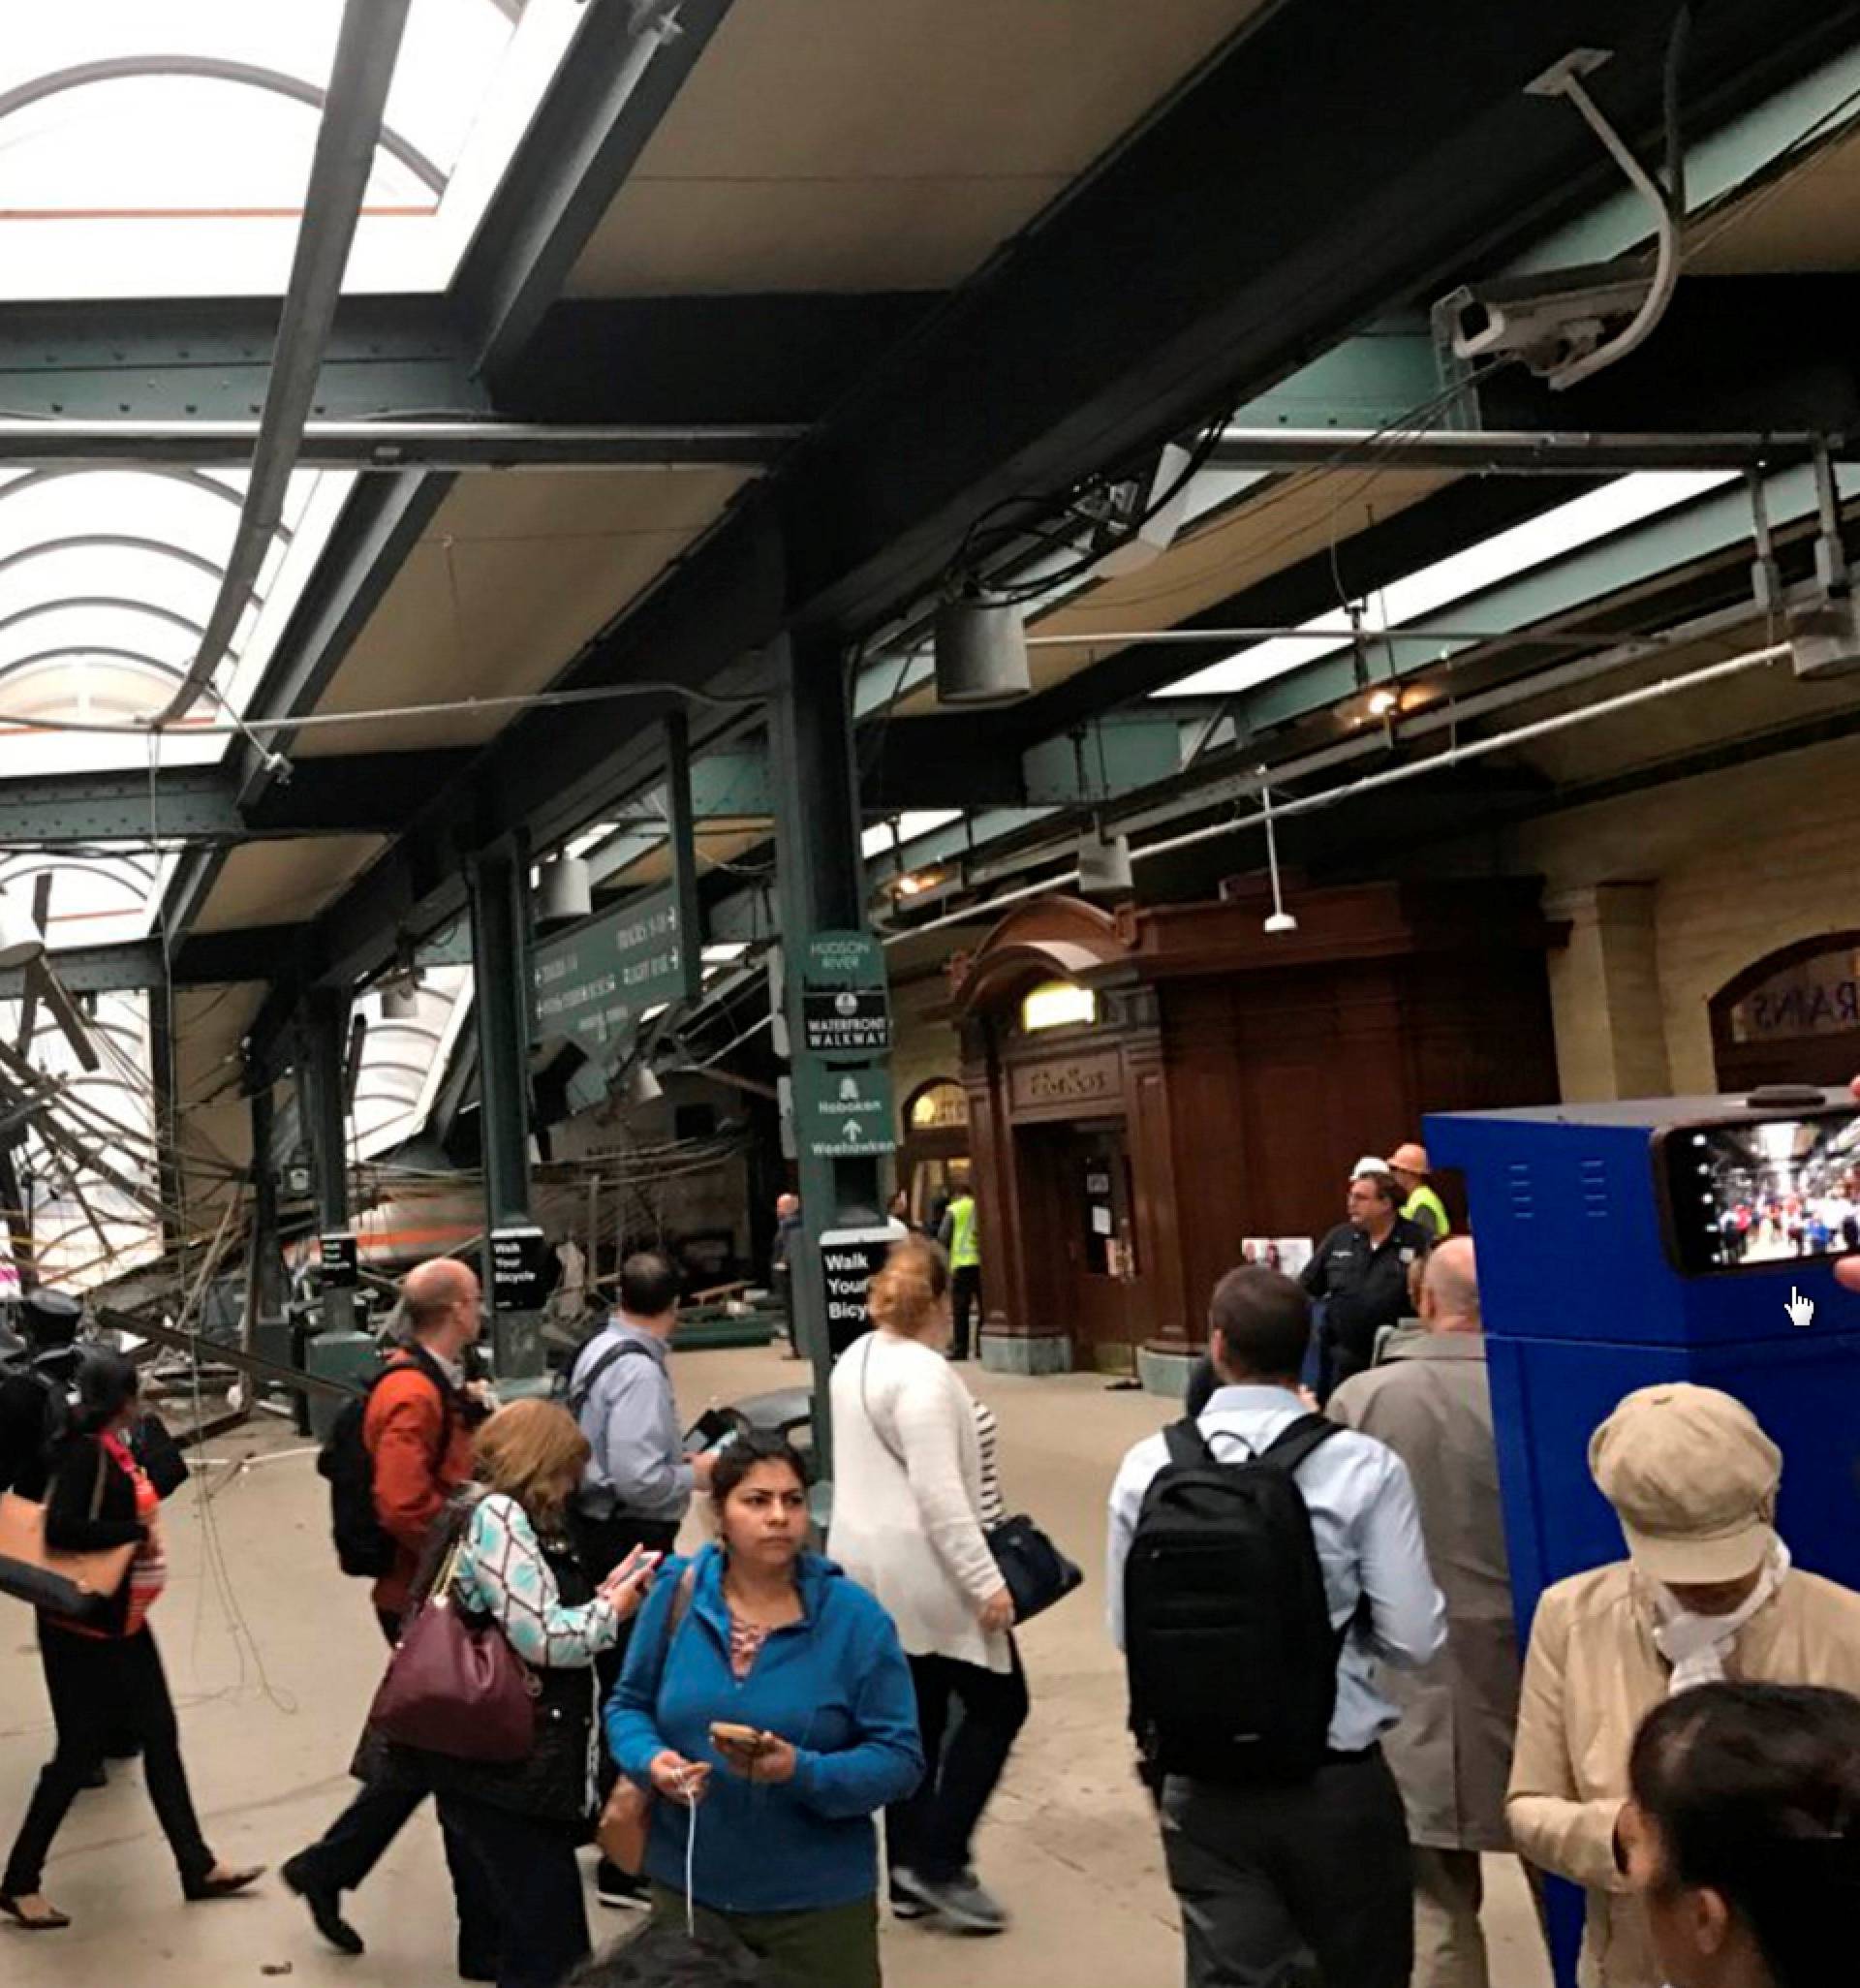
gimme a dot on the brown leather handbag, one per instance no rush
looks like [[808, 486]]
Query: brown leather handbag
[[78, 1586], [454, 1686], [627, 1820]]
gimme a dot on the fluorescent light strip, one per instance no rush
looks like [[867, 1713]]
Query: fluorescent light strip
[[1629, 500]]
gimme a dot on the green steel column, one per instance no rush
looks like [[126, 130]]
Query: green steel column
[[821, 888], [264, 1264], [321, 1068], [499, 879]]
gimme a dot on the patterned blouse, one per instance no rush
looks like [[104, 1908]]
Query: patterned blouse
[[502, 1574], [746, 1641]]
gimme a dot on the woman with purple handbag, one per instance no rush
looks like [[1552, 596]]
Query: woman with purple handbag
[[489, 1698]]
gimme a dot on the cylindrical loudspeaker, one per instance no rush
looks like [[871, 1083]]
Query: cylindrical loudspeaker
[[20, 940], [565, 891], [981, 652]]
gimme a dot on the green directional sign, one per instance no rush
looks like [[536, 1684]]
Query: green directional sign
[[844, 1011], [594, 981], [843, 1110]]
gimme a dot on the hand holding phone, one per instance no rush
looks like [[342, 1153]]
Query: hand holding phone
[[628, 1584], [743, 1739], [754, 1755]]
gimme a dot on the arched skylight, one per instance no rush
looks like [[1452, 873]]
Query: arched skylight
[[107, 577], [162, 147]]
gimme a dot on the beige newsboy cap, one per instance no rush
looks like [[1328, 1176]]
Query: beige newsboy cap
[[1693, 1478]]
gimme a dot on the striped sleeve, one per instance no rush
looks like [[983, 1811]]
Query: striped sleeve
[[994, 1507]]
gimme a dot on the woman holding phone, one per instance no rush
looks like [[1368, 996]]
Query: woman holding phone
[[515, 1565], [767, 1701]]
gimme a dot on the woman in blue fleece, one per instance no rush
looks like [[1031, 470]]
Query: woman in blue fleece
[[756, 1632]]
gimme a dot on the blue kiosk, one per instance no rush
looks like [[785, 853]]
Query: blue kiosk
[[1626, 1244]]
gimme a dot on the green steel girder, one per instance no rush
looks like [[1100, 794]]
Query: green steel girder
[[723, 786], [1375, 379], [133, 967], [58, 810], [370, 793], [1099, 760], [165, 360]]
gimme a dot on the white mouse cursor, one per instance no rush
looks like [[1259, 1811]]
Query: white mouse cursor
[[1801, 1310]]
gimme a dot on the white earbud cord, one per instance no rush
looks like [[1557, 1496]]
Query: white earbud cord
[[690, 1782]]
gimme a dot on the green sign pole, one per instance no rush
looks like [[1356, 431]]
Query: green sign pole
[[821, 885]]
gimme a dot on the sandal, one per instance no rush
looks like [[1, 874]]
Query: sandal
[[51, 1920]]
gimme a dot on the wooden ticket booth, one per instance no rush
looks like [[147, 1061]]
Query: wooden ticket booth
[[1147, 1087]]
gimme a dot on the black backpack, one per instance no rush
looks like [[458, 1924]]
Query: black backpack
[[1226, 1629], [363, 1544], [35, 1414]]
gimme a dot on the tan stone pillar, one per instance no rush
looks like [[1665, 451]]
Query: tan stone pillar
[[1605, 995]]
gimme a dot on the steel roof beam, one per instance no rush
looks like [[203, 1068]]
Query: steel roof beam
[[1513, 452], [367, 47], [354, 794], [612, 90], [394, 445]]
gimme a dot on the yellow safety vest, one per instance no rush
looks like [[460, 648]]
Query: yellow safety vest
[[1425, 1202], [963, 1252]]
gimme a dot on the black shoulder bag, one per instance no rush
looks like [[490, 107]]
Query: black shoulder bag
[[1035, 1573]]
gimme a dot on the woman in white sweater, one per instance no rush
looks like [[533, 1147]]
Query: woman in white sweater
[[909, 1500]]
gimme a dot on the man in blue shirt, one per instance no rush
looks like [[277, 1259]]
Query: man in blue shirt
[[1262, 1871], [639, 1481]]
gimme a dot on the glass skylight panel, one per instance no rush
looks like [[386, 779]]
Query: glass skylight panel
[[106, 898], [1556, 533], [106, 579], [162, 147], [404, 1062], [70, 1251], [877, 840]]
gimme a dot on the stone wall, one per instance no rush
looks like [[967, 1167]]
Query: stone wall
[[1671, 891]]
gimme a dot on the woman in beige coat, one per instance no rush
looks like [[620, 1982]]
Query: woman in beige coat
[[908, 1501], [1706, 1592]]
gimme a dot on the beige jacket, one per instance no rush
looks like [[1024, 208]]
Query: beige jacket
[[1452, 1753], [1591, 1674]]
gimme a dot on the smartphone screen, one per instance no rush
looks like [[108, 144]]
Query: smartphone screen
[[1751, 1194]]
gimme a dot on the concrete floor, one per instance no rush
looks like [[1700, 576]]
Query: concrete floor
[[273, 1655]]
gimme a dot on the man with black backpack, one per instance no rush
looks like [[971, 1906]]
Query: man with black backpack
[[392, 1461], [34, 1389], [638, 1482], [1262, 1561]]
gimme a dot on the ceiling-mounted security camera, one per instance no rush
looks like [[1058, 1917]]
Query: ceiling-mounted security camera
[[1549, 321]]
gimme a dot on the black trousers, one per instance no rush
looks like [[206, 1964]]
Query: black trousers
[[965, 1297], [929, 1832], [357, 1839], [528, 1869], [101, 1690], [1265, 1875]]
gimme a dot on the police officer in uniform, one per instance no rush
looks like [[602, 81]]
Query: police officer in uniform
[[1360, 1270]]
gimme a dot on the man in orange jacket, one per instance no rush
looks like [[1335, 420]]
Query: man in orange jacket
[[418, 1428]]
